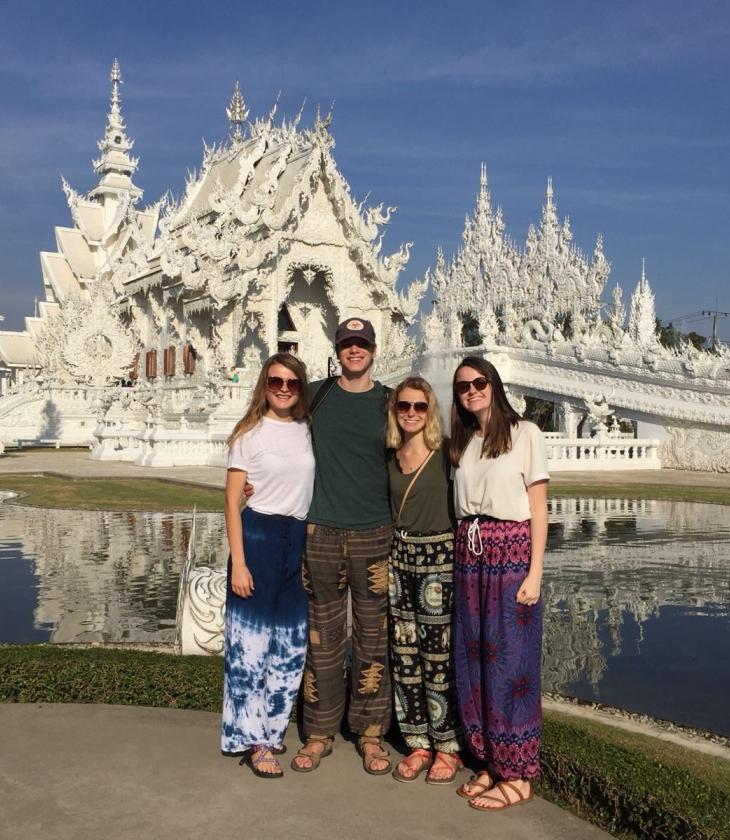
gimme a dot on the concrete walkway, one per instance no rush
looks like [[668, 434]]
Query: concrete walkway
[[77, 464], [72, 772]]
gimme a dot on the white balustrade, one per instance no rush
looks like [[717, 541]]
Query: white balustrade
[[566, 454]]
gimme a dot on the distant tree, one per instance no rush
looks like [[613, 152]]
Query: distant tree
[[669, 336], [470, 331], [541, 413]]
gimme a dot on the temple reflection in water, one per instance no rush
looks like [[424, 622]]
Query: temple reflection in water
[[614, 567]]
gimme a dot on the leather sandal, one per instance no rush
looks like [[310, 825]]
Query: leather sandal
[[473, 782], [313, 757], [503, 800], [452, 768], [374, 755], [423, 756]]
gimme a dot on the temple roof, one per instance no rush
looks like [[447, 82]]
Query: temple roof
[[17, 349]]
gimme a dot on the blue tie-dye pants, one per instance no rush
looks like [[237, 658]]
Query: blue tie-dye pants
[[266, 634]]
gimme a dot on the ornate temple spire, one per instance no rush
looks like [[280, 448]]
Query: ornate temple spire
[[617, 313], [115, 165], [237, 113], [642, 318], [484, 199], [549, 192]]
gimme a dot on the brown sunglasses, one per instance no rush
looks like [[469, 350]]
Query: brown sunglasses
[[404, 407], [462, 387], [276, 383]]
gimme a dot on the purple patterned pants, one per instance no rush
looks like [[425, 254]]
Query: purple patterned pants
[[497, 647]]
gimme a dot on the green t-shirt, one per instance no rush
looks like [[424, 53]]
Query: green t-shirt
[[350, 479], [429, 507]]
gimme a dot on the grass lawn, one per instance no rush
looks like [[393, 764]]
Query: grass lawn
[[708, 495], [111, 493], [159, 495]]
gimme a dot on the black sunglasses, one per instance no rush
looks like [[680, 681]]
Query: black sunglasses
[[276, 383], [462, 387], [404, 407]]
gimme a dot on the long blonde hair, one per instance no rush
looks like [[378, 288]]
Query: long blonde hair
[[259, 406], [432, 433]]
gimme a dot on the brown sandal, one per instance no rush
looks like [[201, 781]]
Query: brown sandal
[[314, 757], [375, 755], [424, 756], [504, 802], [453, 769], [474, 782]]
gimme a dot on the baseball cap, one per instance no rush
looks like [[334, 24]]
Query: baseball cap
[[355, 328]]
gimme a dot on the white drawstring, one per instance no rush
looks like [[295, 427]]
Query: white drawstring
[[474, 538]]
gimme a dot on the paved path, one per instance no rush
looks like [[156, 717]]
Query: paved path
[[76, 463], [72, 772]]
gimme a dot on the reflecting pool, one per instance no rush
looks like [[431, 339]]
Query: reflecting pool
[[637, 593]]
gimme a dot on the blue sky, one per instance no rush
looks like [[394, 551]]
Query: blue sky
[[624, 104]]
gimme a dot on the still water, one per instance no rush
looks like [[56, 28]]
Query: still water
[[637, 594]]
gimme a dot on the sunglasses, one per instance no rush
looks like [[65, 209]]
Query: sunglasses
[[404, 407], [276, 383], [462, 387]]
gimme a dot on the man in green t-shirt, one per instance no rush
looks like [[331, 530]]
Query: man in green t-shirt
[[348, 542]]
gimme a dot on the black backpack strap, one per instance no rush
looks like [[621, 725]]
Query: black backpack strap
[[322, 392]]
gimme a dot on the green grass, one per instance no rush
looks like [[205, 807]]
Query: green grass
[[710, 769], [633, 785], [111, 493], [708, 495]]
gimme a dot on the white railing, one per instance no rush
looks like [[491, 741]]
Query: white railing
[[576, 454]]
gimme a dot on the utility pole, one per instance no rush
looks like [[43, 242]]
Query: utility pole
[[714, 314]]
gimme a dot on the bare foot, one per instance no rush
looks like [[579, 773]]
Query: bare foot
[[503, 795], [412, 765], [310, 748], [444, 767], [476, 786], [375, 764], [263, 762]]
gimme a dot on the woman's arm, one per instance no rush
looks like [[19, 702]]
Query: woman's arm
[[529, 592], [241, 579]]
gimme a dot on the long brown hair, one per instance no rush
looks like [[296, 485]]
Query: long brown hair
[[502, 417], [432, 433], [259, 406]]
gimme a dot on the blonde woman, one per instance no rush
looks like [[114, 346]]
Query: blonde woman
[[421, 572], [266, 606]]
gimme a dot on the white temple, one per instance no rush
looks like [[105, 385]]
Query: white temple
[[268, 250]]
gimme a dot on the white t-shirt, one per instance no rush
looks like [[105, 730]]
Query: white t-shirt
[[498, 486], [278, 460]]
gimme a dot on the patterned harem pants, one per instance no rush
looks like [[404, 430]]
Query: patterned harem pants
[[337, 559], [265, 635], [497, 647], [421, 599]]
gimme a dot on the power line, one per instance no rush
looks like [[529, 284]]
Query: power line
[[714, 314]]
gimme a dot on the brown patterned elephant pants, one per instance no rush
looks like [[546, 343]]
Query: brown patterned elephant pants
[[338, 559]]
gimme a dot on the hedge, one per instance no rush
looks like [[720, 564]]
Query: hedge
[[634, 786]]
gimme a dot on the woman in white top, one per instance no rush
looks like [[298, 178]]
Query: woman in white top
[[266, 606], [500, 500]]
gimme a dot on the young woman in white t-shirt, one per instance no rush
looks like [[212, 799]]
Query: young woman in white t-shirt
[[500, 500], [266, 606]]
